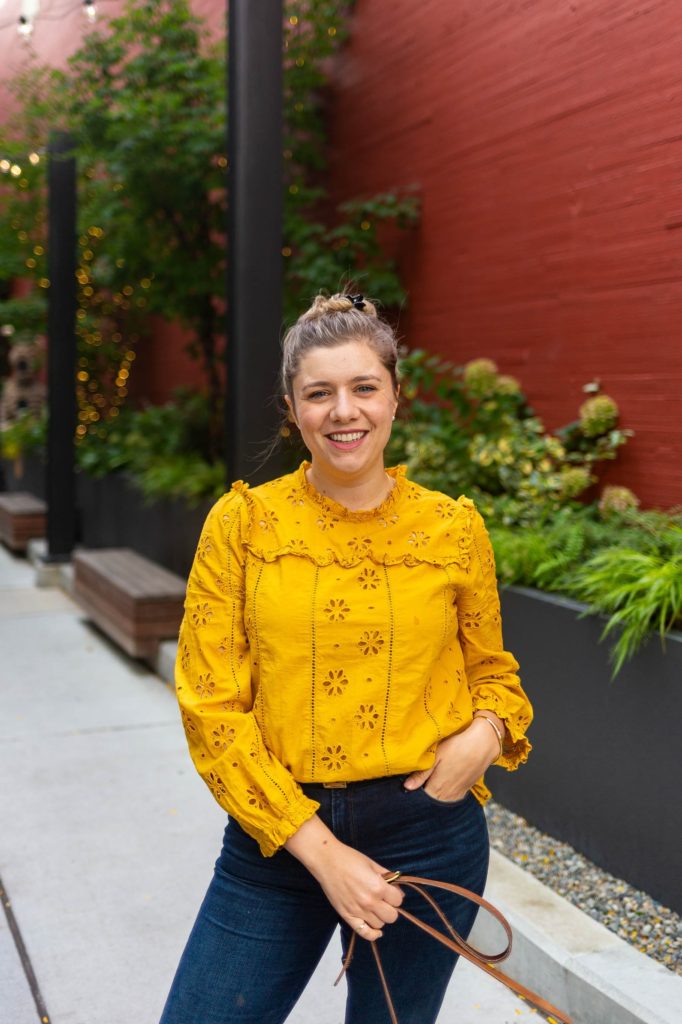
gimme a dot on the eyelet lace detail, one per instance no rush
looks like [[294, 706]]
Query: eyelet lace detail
[[289, 516]]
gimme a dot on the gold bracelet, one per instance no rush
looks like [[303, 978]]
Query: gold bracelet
[[495, 729]]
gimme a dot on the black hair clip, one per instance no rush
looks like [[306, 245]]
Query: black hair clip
[[358, 302]]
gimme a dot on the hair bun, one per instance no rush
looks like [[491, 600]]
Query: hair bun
[[324, 305]]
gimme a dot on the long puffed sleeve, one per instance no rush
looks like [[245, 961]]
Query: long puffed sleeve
[[491, 671], [215, 692]]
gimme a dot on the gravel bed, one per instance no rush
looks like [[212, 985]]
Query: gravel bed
[[633, 915]]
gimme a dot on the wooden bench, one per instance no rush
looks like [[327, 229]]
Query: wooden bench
[[133, 600], [22, 518]]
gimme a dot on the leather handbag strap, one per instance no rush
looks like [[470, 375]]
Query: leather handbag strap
[[454, 941]]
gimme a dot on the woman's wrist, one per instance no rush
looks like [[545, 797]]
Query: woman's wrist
[[489, 729], [313, 843]]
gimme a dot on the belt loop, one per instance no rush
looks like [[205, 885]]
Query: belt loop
[[335, 785]]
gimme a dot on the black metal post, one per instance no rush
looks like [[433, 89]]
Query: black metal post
[[254, 278], [61, 349]]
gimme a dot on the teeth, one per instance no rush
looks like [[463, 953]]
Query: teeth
[[348, 437]]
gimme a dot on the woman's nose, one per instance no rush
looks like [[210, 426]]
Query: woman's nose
[[344, 406]]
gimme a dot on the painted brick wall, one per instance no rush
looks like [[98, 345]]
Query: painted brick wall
[[546, 138]]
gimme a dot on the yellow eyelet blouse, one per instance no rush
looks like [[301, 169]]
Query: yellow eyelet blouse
[[322, 645]]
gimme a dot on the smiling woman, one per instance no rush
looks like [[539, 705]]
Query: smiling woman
[[343, 401], [343, 688]]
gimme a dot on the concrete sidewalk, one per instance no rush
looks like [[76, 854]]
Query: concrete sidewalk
[[109, 837]]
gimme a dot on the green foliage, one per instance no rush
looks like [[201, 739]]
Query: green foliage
[[28, 434], [470, 430], [27, 315], [145, 97], [159, 449], [639, 588]]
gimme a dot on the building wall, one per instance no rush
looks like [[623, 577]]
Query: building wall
[[545, 137]]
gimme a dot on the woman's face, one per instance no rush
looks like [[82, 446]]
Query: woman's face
[[343, 403]]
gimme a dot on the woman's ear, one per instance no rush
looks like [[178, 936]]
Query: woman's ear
[[291, 416]]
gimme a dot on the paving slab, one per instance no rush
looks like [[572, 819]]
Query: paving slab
[[17, 1005]]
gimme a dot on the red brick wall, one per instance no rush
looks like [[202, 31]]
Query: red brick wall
[[546, 138]]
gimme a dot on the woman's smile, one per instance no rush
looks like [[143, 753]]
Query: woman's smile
[[347, 440]]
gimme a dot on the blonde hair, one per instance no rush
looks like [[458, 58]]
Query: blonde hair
[[334, 320]]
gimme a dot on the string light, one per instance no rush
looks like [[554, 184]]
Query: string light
[[29, 10], [90, 10]]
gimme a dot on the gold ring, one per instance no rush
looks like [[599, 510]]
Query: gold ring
[[361, 927], [392, 876]]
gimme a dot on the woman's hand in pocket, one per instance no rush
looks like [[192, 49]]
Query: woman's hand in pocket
[[460, 761]]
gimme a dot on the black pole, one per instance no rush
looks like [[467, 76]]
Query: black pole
[[254, 277], [61, 349]]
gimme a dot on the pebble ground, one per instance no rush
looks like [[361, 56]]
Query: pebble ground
[[633, 915]]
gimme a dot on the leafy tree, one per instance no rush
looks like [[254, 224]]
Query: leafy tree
[[145, 98]]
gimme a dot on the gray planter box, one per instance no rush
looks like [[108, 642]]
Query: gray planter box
[[25, 474], [604, 774], [114, 513]]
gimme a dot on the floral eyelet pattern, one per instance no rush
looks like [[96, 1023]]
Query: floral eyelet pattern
[[335, 682], [257, 797], [188, 725], [472, 620], [336, 610], [418, 539], [366, 716], [222, 583], [201, 614], [334, 758], [216, 785], [268, 520], [205, 685], [327, 521], [205, 547], [371, 642], [223, 737], [369, 579]]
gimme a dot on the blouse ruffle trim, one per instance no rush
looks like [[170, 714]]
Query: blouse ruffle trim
[[447, 548]]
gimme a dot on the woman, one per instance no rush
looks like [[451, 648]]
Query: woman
[[343, 688]]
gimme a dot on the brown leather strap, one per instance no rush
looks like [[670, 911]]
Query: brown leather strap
[[455, 942]]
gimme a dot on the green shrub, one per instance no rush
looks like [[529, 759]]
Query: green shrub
[[471, 430], [639, 588], [27, 435], [160, 448]]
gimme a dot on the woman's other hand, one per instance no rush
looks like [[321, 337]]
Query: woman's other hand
[[352, 882], [461, 760]]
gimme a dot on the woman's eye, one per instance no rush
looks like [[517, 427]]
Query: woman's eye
[[366, 387], [317, 394]]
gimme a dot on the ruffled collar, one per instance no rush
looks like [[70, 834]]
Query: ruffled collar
[[339, 511]]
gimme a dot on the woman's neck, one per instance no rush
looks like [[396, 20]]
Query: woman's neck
[[365, 492]]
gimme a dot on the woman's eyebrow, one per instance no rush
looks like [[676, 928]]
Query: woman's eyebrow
[[327, 384]]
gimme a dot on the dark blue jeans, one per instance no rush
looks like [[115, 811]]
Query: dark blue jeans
[[265, 922]]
